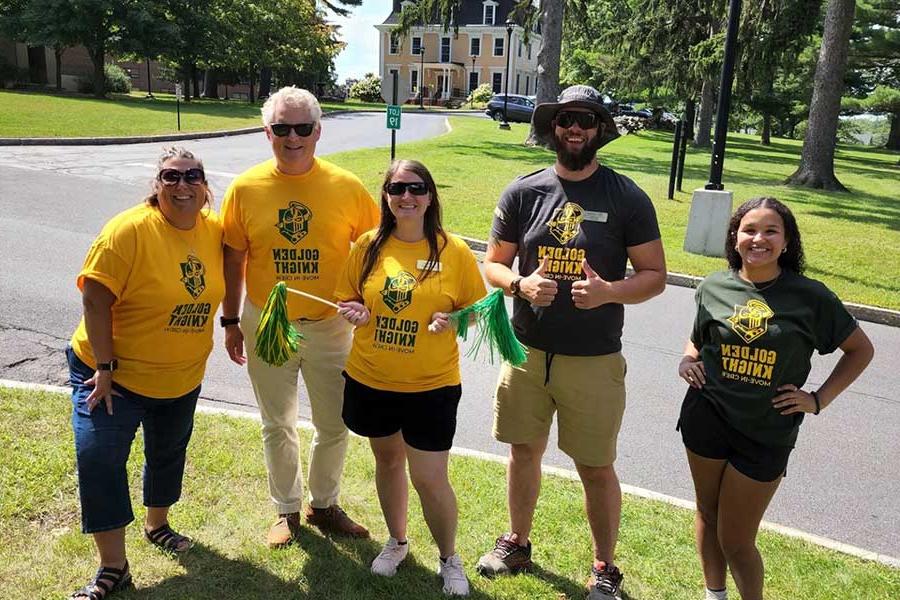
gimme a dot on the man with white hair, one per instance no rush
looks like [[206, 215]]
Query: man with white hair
[[293, 218]]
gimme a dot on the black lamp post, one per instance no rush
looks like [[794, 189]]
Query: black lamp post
[[509, 30], [149, 90], [471, 91], [422, 73], [724, 104]]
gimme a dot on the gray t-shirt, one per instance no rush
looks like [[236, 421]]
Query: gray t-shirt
[[597, 219]]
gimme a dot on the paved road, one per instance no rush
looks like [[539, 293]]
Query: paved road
[[842, 480]]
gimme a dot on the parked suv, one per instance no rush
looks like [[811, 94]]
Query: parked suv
[[519, 108]]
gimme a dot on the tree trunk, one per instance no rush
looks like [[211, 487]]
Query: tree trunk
[[816, 168], [186, 85], [703, 138], [552, 12], [211, 84], [893, 141], [98, 58], [252, 97], [765, 136], [195, 79], [57, 54], [690, 115], [265, 82]]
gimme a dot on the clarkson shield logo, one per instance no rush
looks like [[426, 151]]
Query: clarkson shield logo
[[293, 222], [192, 276], [397, 292], [566, 222], [752, 320]]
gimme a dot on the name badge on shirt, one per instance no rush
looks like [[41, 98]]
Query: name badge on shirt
[[595, 216], [423, 265]]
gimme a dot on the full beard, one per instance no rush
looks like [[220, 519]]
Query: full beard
[[575, 161]]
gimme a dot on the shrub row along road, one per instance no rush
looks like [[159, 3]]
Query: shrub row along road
[[842, 481]]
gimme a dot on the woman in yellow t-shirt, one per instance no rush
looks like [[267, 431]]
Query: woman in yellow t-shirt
[[151, 283], [402, 376]]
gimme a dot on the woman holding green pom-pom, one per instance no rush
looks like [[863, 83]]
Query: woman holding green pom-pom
[[398, 288]]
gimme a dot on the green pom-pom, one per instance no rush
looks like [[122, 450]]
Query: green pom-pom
[[276, 338], [493, 329]]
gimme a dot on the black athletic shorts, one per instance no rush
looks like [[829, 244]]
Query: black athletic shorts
[[427, 420], [705, 433]]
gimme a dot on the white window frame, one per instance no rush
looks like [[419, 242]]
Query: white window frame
[[413, 85], [477, 75], [494, 47], [391, 40], [412, 48], [472, 39], [493, 75], [449, 49], [484, 13]]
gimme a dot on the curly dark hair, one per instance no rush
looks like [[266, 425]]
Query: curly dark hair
[[792, 258], [434, 230]]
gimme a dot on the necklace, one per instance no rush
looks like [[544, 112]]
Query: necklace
[[188, 237], [765, 285]]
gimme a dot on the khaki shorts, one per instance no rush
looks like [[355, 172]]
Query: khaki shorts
[[586, 392]]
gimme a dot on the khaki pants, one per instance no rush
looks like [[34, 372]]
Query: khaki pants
[[321, 358]]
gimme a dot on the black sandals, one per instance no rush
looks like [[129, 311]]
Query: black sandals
[[166, 538], [105, 582]]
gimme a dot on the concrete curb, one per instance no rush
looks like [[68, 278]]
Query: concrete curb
[[872, 314], [835, 545], [191, 135]]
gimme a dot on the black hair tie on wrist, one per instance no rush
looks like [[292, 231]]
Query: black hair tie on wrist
[[815, 396]]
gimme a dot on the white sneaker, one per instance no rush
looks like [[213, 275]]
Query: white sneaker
[[455, 581], [389, 559]]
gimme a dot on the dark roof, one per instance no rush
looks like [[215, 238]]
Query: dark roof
[[472, 13]]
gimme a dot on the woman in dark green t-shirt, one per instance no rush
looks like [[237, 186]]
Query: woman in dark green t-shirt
[[748, 357]]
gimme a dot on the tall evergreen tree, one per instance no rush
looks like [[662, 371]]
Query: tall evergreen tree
[[816, 167]]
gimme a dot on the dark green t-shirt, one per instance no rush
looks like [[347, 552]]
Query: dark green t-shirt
[[754, 340]]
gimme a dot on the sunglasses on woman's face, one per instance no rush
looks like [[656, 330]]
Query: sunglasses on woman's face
[[284, 129], [398, 188], [193, 176], [585, 120]]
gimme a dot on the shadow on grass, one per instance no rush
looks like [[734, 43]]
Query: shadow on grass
[[817, 272], [568, 588]]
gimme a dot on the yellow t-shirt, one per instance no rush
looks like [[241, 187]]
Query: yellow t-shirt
[[395, 351], [297, 229], [168, 285]]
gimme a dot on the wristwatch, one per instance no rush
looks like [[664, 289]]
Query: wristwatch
[[108, 366], [515, 286], [226, 321]]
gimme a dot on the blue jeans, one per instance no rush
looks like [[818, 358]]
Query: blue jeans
[[103, 443]]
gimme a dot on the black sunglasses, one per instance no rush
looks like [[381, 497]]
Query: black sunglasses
[[193, 176], [398, 188], [284, 129], [585, 120]]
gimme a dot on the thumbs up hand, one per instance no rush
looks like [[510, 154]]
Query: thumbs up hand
[[592, 291], [536, 288]]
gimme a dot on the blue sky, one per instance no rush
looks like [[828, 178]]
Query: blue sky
[[361, 54]]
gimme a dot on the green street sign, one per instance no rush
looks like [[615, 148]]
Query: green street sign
[[393, 116]]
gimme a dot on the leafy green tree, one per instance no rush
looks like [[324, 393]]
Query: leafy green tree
[[367, 89], [101, 26]]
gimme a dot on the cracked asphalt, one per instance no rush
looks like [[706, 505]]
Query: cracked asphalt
[[842, 479]]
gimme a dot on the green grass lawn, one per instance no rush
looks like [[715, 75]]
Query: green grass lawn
[[851, 239], [33, 114], [29, 114], [225, 507]]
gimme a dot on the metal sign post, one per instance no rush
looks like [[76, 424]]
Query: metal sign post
[[393, 118], [178, 97]]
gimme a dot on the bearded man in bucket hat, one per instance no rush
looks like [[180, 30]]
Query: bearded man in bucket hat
[[572, 226]]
